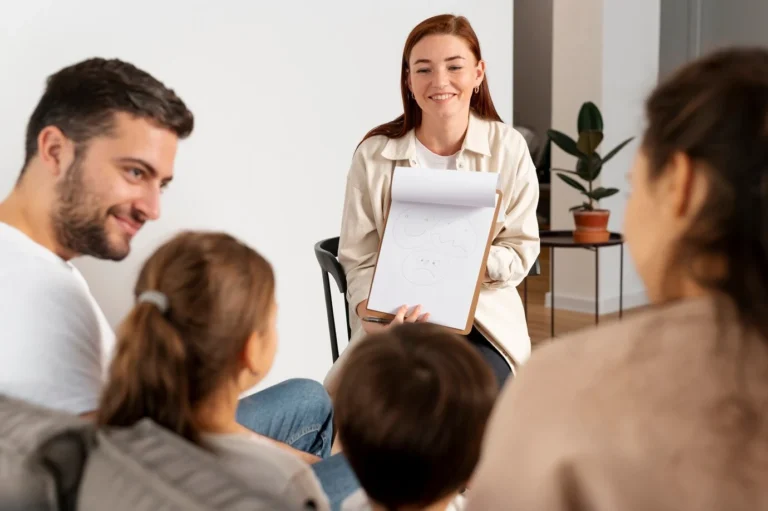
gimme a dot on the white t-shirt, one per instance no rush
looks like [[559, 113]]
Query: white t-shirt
[[430, 160], [269, 469], [358, 501], [54, 339]]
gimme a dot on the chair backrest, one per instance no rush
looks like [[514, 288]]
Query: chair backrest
[[326, 252], [146, 467], [42, 456]]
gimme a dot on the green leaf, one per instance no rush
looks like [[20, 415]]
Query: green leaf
[[589, 169], [588, 141], [590, 118], [602, 193], [564, 142], [565, 170], [572, 182], [616, 149]]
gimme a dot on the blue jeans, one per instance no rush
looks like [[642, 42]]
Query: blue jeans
[[299, 413]]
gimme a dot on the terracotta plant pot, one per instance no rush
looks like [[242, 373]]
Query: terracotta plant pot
[[591, 226]]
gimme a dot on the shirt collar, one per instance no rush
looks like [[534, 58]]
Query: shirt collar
[[476, 140]]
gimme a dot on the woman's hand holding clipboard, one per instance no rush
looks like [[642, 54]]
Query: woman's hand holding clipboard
[[372, 324]]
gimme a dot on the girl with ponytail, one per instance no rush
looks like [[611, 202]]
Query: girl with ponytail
[[201, 333]]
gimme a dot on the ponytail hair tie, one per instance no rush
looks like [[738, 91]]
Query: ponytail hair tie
[[156, 298]]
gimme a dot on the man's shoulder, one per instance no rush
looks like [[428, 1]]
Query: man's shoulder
[[37, 290], [37, 275]]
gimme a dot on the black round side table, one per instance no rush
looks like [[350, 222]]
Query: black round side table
[[564, 239]]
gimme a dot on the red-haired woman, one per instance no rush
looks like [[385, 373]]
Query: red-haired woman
[[449, 122]]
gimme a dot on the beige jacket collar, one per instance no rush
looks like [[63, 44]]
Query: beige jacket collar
[[476, 141]]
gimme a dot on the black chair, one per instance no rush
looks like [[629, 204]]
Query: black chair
[[326, 252]]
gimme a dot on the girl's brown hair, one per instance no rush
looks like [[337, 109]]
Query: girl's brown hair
[[715, 110], [444, 24], [219, 293]]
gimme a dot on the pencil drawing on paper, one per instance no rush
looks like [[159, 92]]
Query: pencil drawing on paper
[[413, 228], [434, 243], [454, 238], [424, 268]]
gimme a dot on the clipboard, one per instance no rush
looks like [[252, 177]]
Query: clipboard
[[485, 237]]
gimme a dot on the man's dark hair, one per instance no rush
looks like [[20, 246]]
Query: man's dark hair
[[82, 99], [411, 410]]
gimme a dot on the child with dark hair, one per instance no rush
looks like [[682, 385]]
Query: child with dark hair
[[411, 410]]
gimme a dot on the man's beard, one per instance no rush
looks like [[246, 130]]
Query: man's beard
[[78, 224]]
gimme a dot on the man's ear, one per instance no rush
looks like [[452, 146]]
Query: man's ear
[[55, 151]]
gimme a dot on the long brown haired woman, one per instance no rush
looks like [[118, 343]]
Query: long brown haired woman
[[201, 333], [448, 122], [668, 409]]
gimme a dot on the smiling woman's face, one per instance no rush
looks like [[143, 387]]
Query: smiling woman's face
[[443, 74]]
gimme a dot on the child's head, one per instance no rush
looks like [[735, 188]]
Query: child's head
[[411, 411], [202, 328]]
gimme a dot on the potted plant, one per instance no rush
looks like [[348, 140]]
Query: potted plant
[[591, 222]]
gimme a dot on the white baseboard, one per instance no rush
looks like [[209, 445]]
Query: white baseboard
[[586, 304]]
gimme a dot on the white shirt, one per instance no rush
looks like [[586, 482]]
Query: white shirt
[[269, 469], [429, 160], [358, 501], [54, 339]]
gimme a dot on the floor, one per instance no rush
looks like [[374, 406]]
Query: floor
[[539, 315]]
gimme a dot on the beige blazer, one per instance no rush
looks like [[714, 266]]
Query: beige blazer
[[488, 146], [664, 410]]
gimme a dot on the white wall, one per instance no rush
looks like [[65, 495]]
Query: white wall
[[606, 51], [576, 77], [630, 71], [282, 93]]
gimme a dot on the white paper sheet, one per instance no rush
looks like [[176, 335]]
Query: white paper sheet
[[433, 246], [451, 188]]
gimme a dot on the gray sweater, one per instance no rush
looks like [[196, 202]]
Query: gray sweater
[[271, 469]]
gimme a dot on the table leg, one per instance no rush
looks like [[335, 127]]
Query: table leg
[[597, 285], [621, 282], [552, 292]]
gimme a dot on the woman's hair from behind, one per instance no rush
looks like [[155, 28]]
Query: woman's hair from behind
[[411, 410], [219, 292], [715, 111], [444, 24]]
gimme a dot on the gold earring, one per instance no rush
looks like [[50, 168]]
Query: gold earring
[[477, 89]]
